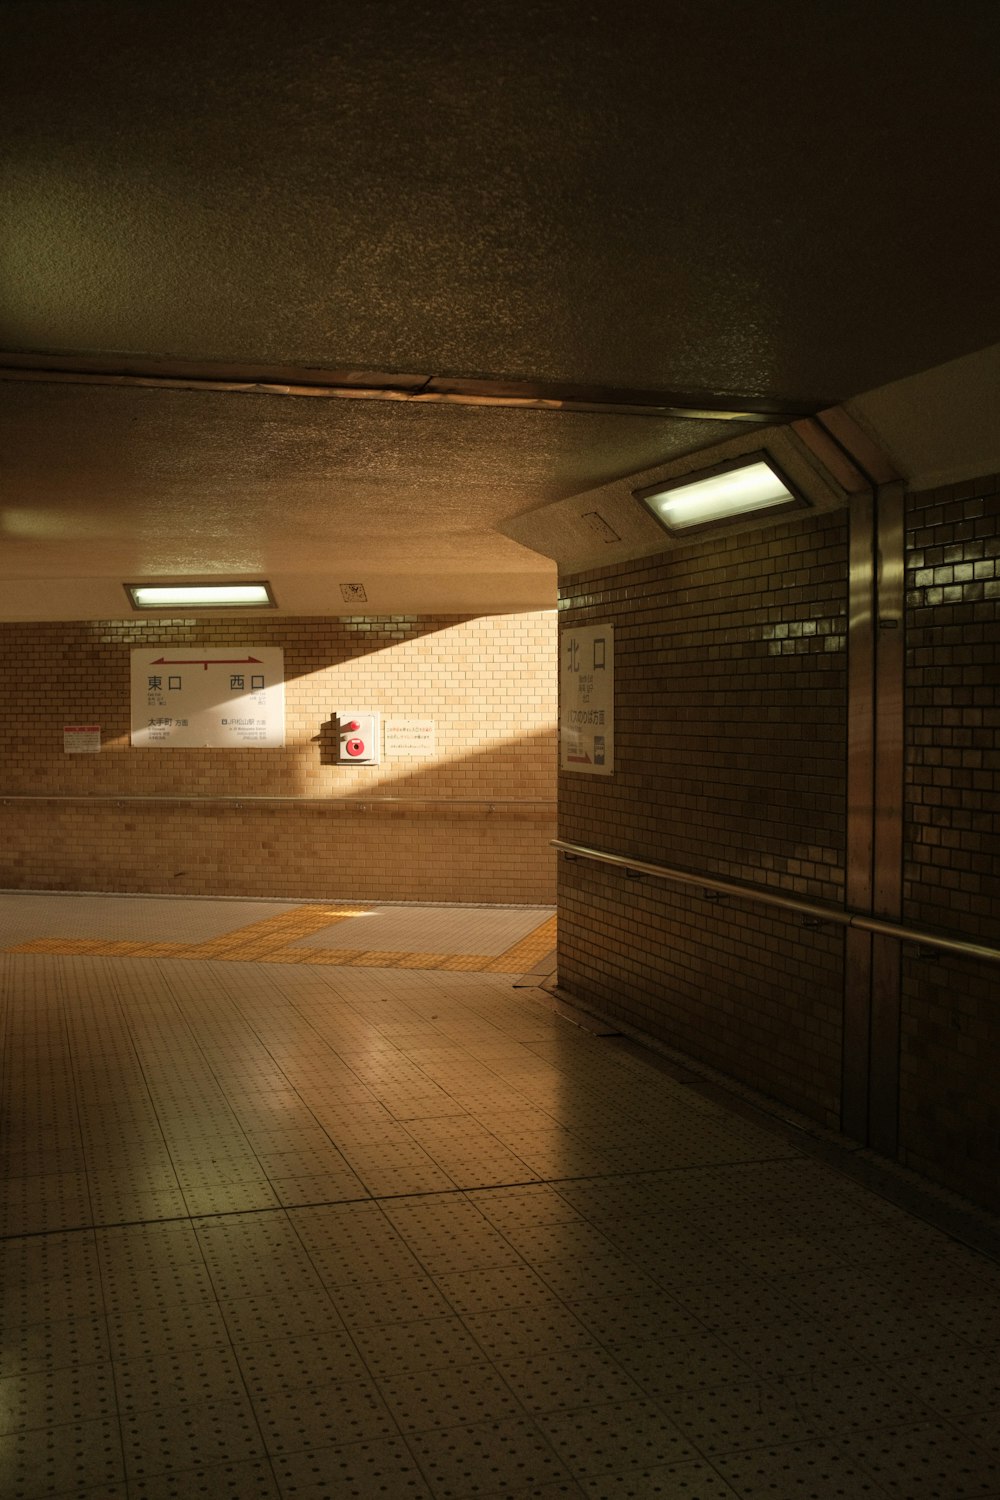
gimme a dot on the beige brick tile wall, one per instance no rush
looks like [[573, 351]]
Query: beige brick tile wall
[[488, 683]]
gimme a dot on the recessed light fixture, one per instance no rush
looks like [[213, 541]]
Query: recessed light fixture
[[200, 595], [723, 493]]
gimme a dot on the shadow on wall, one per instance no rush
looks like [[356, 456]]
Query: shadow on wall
[[479, 680], [485, 839], [470, 822]]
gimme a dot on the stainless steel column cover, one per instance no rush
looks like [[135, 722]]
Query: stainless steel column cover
[[883, 1110], [859, 882]]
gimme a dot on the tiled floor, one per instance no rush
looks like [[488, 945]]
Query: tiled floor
[[284, 1229]]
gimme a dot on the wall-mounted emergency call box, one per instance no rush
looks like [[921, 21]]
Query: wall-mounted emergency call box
[[360, 737]]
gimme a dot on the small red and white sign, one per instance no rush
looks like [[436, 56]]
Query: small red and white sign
[[82, 739]]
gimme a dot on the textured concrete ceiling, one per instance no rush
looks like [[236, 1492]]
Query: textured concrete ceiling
[[683, 203]]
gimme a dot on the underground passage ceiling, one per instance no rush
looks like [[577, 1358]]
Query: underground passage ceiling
[[336, 295]]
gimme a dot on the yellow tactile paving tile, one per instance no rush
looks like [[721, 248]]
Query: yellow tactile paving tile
[[253, 941], [276, 932], [465, 963], [288, 956], [526, 953], [272, 940]]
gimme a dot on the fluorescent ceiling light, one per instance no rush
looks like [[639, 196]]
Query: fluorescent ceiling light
[[723, 494], [200, 595]]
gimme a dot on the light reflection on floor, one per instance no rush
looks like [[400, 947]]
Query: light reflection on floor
[[275, 1228]]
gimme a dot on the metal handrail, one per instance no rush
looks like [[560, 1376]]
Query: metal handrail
[[923, 936], [116, 797]]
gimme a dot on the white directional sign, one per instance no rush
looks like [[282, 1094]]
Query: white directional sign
[[227, 698], [587, 700]]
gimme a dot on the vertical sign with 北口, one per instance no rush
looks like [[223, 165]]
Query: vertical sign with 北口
[[227, 698], [587, 699]]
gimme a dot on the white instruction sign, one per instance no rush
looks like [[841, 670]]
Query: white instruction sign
[[410, 737], [587, 699], [230, 697]]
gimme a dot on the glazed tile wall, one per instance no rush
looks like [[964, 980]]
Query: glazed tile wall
[[487, 683], [949, 1123], [730, 694]]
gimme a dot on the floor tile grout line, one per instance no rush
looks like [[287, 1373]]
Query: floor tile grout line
[[378, 1198], [234, 1004], [129, 1031], [268, 1458], [61, 982]]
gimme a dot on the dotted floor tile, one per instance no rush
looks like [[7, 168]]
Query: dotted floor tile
[[48, 1398], [33, 1205], [353, 1243], [835, 1399], [560, 1489], [523, 1333], [742, 1415], [470, 1154], [493, 1289], [487, 1458], [175, 1438], [272, 1365], [227, 1481], [384, 1469], [46, 1289], [453, 1396], [430, 1344], [286, 1316], [321, 1416], [531, 1205], [68, 1343], [58, 1460], [334, 1186], [363, 1304], [332, 1215], [682, 1364], [116, 1200], [821, 1471], [930, 1460], [164, 1328], [583, 1375], [695, 1481], [981, 1431], [610, 1439], [182, 1378]]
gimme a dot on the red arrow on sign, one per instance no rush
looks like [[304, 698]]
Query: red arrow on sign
[[213, 661]]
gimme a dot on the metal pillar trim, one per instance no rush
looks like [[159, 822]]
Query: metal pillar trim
[[860, 851], [887, 894]]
